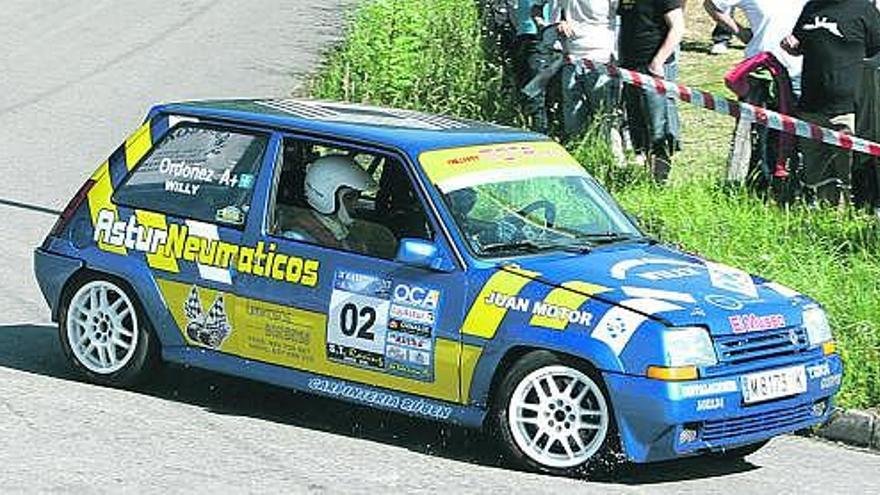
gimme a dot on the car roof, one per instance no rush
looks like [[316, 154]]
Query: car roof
[[411, 131]]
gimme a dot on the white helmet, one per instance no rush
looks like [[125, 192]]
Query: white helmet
[[326, 175]]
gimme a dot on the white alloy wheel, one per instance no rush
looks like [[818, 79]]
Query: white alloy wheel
[[558, 417], [102, 327]]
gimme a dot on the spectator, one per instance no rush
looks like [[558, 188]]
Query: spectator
[[587, 31], [721, 36], [650, 34], [769, 20], [834, 37], [529, 58], [763, 163]]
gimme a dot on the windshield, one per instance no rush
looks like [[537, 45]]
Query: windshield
[[532, 197]]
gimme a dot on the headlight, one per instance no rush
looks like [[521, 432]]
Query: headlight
[[688, 346], [816, 323]]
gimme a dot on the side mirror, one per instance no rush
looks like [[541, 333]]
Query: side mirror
[[421, 253]]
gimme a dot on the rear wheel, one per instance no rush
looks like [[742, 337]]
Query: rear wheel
[[552, 415], [104, 334]]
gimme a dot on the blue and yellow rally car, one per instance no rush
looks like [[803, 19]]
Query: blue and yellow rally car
[[436, 267]]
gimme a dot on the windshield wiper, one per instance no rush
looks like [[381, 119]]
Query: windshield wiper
[[532, 247], [503, 247], [616, 237]]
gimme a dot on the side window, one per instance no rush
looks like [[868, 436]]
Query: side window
[[345, 199], [203, 173]]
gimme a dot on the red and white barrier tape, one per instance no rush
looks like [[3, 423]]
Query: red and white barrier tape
[[769, 118]]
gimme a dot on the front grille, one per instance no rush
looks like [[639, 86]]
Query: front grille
[[768, 422], [746, 348]]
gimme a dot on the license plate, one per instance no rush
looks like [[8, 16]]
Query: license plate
[[773, 384]]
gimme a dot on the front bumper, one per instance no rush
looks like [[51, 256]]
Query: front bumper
[[665, 420]]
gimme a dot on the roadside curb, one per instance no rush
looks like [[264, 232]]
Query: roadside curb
[[853, 427]]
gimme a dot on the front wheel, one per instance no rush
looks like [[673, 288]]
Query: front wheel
[[104, 334], [552, 415]]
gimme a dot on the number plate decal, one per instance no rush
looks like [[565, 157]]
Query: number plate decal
[[358, 319], [387, 326], [774, 384]]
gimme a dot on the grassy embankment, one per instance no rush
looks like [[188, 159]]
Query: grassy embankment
[[434, 55]]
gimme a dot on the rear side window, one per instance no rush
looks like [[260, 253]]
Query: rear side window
[[196, 172]]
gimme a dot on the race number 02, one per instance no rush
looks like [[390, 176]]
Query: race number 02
[[357, 322], [352, 319]]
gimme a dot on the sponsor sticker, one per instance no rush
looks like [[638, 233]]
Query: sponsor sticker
[[710, 404], [712, 388], [539, 308], [418, 297], [818, 371], [754, 323], [725, 302], [831, 381], [412, 317], [230, 214], [185, 242], [209, 329], [620, 270], [409, 327], [388, 400], [671, 274], [732, 279], [408, 340]]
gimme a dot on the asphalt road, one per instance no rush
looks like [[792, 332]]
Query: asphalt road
[[75, 77]]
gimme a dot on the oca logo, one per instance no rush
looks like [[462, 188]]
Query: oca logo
[[416, 296]]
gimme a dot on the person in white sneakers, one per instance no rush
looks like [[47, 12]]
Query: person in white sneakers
[[770, 21], [587, 31]]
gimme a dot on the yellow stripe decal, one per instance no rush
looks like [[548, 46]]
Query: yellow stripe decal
[[297, 338], [570, 296], [484, 318], [99, 199], [138, 145], [157, 260], [470, 355]]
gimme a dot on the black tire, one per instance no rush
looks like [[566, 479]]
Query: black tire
[[606, 455], [740, 452], [144, 353]]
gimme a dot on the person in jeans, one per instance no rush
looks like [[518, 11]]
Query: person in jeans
[[834, 37], [587, 31], [531, 16], [650, 35]]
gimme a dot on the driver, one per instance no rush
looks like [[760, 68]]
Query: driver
[[461, 202], [333, 186]]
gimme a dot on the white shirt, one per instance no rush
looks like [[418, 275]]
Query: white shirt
[[593, 23], [770, 21]]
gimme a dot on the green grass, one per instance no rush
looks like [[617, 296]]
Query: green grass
[[434, 55]]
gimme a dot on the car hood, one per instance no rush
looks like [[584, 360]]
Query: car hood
[[673, 287]]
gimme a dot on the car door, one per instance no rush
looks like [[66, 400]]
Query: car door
[[345, 314]]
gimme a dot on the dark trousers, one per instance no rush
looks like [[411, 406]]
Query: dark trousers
[[721, 34], [529, 59]]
